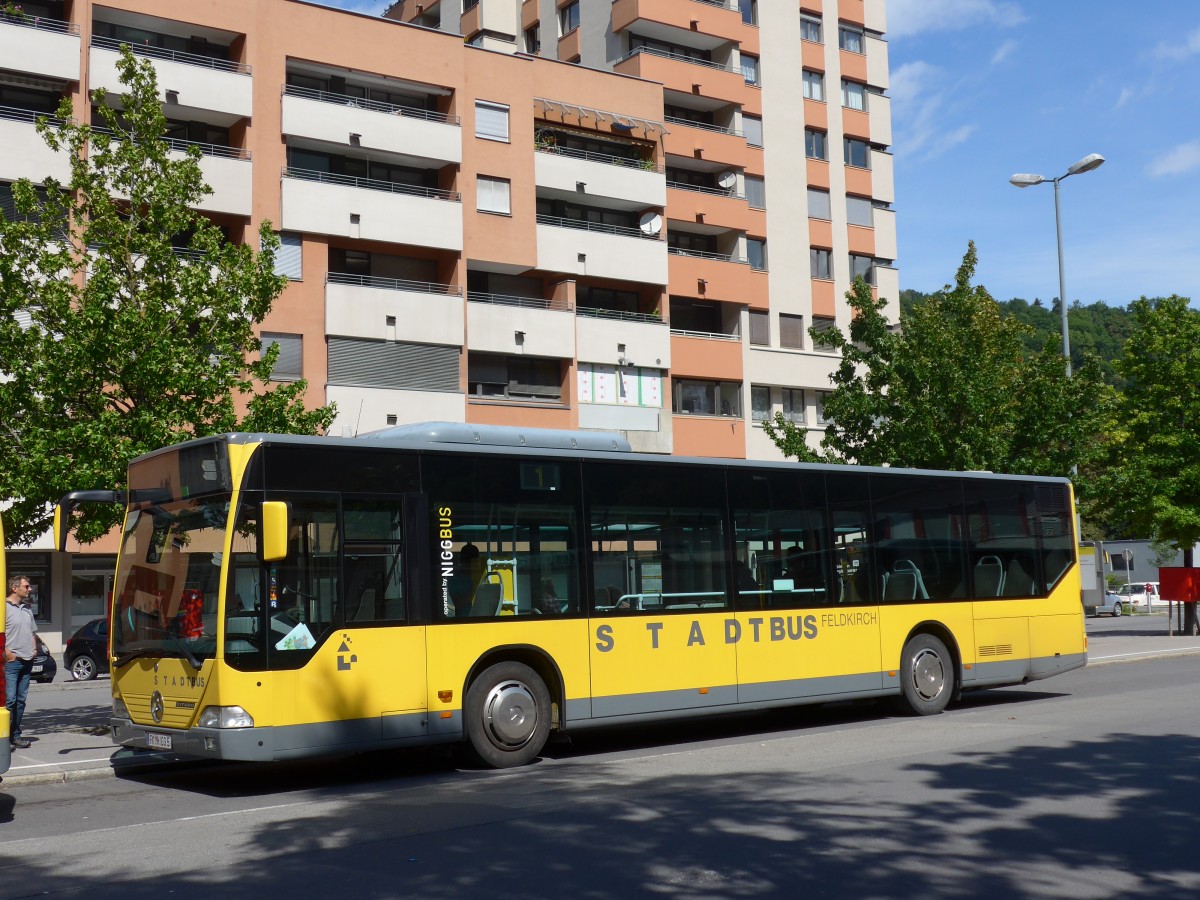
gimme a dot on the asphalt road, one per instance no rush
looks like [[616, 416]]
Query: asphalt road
[[1086, 785]]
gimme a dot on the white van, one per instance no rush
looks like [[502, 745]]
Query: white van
[[1140, 593]]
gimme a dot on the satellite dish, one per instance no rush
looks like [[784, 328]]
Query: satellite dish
[[727, 180], [650, 223]]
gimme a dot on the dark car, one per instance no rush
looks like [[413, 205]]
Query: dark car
[[44, 666], [86, 655]]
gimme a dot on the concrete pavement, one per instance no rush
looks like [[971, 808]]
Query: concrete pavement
[[73, 743]]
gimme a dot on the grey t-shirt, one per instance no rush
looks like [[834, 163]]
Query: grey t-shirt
[[19, 629]]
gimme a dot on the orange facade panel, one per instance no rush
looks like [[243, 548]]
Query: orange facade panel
[[824, 298], [712, 146], [861, 240], [710, 82], [705, 278], [529, 14], [569, 46], [852, 11], [471, 21], [704, 357], [856, 123], [723, 22], [820, 233], [714, 209], [816, 115], [818, 173], [524, 416], [812, 56], [715, 436], [858, 181]]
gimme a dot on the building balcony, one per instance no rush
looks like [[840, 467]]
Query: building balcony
[[714, 207], [883, 180], [576, 247], [709, 436], [697, 354], [881, 120], [497, 323], [196, 87], [711, 143], [363, 409], [382, 128], [885, 233], [600, 335], [711, 81], [370, 210], [715, 21], [563, 170], [230, 174], [36, 46], [790, 367], [716, 276], [23, 153], [498, 18], [877, 62], [393, 309]]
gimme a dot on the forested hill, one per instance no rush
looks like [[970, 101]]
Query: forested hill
[[1099, 328]]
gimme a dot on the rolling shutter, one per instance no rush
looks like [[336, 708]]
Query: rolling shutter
[[399, 366]]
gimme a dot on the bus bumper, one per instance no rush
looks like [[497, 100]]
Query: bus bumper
[[206, 743]]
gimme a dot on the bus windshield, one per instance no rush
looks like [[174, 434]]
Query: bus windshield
[[167, 580]]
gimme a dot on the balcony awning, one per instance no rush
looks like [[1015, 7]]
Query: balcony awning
[[620, 122]]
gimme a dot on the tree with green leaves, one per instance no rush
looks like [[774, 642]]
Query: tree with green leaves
[[127, 319], [1152, 480], [952, 388]]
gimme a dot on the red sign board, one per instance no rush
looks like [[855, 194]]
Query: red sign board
[[1177, 583]]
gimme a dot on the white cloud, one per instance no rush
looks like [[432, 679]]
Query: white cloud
[[1003, 51], [1125, 97], [910, 17], [1189, 47], [1177, 161], [919, 93]]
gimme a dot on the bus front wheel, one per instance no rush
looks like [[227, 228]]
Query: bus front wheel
[[926, 676], [507, 715]]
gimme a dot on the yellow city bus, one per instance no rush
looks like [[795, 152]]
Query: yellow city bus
[[5, 746], [280, 597]]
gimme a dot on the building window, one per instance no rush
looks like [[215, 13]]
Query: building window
[[791, 332], [533, 40], [823, 325], [859, 212], [862, 267], [492, 195], [289, 365], [756, 192], [793, 405], [620, 385], [491, 121], [857, 153], [854, 95], [756, 252], [707, 398], [749, 10], [568, 18], [760, 328], [514, 377], [288, 256], [850, 39], [818, 262], [752, 128], [821, 397], [750, 68], [815, 144], [814, 85], [760, 403], [810, 29], [818, 204]]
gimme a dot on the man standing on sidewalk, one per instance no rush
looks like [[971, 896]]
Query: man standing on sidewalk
[[20, 647]]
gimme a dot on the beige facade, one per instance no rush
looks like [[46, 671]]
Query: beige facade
[[586, 214]]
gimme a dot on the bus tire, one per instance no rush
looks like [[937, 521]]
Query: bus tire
[[507, 713], [926, 676]]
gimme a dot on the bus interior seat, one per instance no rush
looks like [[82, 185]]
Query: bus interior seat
[[488, 597], [1056, 562], [366, 607], [1017, 582], [904, 582], [989, 577]]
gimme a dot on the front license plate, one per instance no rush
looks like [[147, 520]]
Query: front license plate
[[158, 741], [36, 669]]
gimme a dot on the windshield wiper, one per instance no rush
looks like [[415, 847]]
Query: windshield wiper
[[180, 651], [126, 658]]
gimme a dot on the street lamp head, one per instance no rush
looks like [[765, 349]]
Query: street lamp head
[[1089, 162], [1024, 181]]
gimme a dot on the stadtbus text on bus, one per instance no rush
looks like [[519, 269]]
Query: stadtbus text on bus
[[280, 597]]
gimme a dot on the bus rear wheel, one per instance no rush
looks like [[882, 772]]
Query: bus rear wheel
[[926, 676], [508, 715]]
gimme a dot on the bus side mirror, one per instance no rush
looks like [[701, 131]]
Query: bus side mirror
[[62, 527], [274, 530]]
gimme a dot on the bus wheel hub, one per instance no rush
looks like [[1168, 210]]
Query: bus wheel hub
[[510, 712]]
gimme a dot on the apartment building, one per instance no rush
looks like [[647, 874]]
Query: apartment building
[[582, 214]]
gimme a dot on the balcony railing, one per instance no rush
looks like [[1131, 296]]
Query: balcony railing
[[41, 23], [647, 165], [724, 4], [601, 227], [392, 109], [706, 335], [16, 114], [701, 189], [182, 145], [392, 284], [681, 57], [191, 59], [510, 300], [593, 312], [719, 129], [705, 254], [371, 184]]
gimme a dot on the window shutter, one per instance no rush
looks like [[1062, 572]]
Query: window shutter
[[288, 256], [400, 366], [491, 121], [752, 128], [289, 366]]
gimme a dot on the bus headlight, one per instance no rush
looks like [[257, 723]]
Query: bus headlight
[[119, 709], [225, 717]]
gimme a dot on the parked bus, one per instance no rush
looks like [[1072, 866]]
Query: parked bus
[[280, 597], [5, 724]]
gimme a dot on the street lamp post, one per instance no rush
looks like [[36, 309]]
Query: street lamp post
[[1089, 162]]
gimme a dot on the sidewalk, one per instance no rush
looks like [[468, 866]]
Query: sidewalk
[[79, 747]]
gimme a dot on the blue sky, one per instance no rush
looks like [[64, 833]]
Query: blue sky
[[982, 89]]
